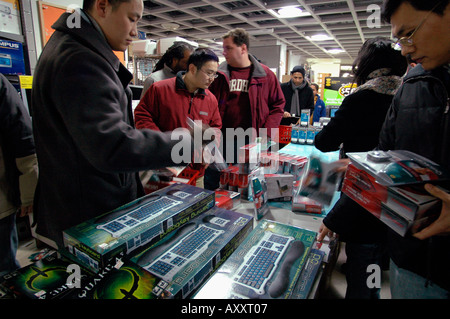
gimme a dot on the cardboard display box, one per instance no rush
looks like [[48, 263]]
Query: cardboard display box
[[119, 279], [266, 265], [227, 199], [309, 275], [279, 186], [403, 208], [185, 258], [47, 278], [143, 221]]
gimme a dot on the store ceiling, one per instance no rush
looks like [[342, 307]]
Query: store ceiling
[[348, 22]]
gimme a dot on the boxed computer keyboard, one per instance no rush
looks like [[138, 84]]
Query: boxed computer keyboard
[[186, 257], [266, 265], [143, 221]]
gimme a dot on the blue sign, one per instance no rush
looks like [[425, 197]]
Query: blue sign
[[11, 58]]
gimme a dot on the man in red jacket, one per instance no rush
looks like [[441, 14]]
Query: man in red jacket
[[249, 96], [168, 103]]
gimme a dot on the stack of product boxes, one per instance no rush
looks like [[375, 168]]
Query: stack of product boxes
[[406, 207], [282, 173], [163, 245], [125, 254], [169, 242], [303, 132]]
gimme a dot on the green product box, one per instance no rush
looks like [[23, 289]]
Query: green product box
[[184, 259], [267, 265], [138, 223], [118, 279], [49, 278]]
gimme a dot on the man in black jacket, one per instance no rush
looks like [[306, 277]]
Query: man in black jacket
[[18, 171], [418, 121], [298, 94], [88, 150]]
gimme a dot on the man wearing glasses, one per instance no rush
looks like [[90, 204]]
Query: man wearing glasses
[[168, 103], [418, 121]]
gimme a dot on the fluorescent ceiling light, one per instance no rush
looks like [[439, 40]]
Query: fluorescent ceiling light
[[335, 51], [319, 37], [170, 26], [288, 12]]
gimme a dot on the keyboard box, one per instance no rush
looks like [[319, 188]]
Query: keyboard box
[[266, 265], [119, 279], [189, 255], [140, 222], [45, 279]]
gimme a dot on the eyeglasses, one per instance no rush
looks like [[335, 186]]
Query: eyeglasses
[[408, 41], [212, 75]]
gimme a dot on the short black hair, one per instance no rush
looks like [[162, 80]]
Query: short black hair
[[88, 4], [391, 6], [239, 36], [378, 53], [316, 86], [202, 55]]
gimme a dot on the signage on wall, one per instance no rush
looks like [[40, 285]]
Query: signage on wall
[[10, 16], [11, 57], [336, 89]]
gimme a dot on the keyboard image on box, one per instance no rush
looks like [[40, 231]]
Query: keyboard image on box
[[261, 262], [140, 215], [186, 250]]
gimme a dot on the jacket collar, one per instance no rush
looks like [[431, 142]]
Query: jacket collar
[[180, 85], [88, 35]]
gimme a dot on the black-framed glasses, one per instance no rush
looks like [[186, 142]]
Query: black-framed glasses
[[408, 41], [212, 75]]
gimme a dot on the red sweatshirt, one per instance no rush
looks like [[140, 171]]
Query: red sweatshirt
[[167, 103]]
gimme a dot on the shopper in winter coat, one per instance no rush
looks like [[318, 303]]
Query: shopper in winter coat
[[249, 97], [168, 103], [261, 100], [378, 69], [418, 121], [88, 149], [18, 171], [298, 94]]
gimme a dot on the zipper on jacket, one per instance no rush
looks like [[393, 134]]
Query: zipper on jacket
[[190, 104]]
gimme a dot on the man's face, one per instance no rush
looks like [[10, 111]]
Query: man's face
[[233, 53], [204, 76], [120, 25], [297, 78], [431, 41], [313, 87], [181, 64]]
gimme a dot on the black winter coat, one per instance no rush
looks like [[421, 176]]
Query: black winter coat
[[418, 121], [306, 97], [356, 125], [88, 149]]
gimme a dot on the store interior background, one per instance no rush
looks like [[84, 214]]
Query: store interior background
[[280, 43]]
